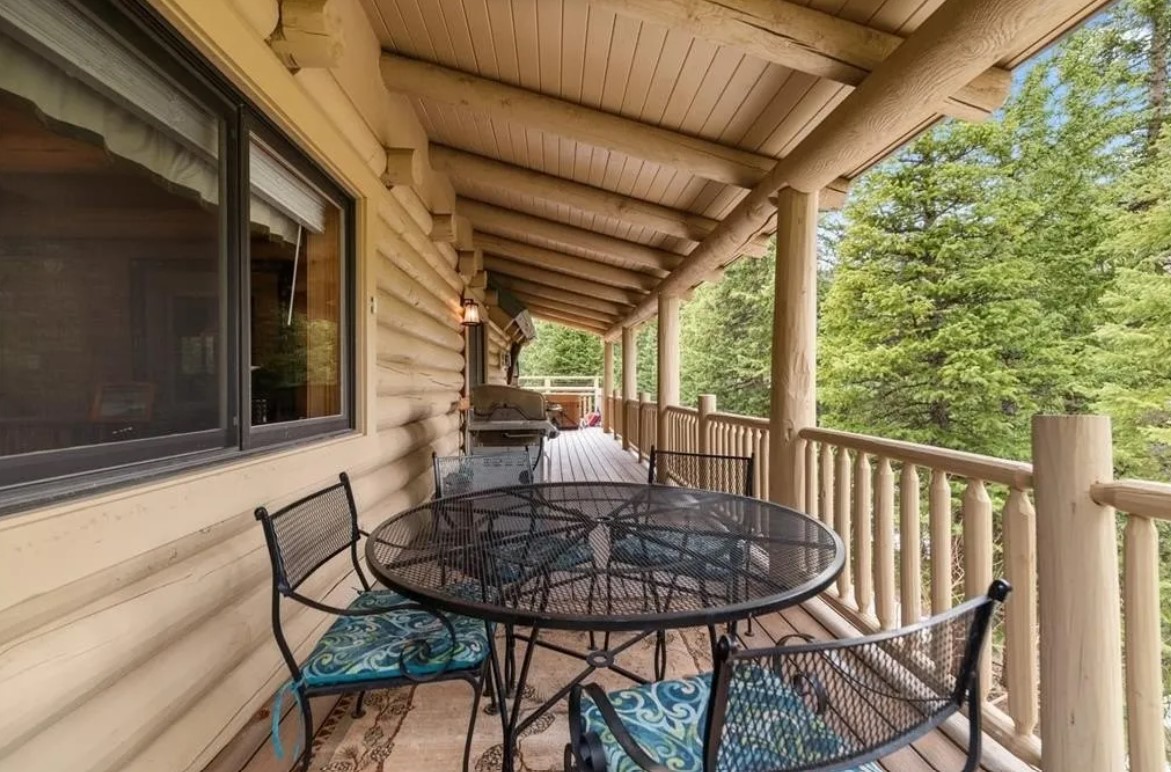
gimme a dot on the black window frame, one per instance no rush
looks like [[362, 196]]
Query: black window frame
[[39, 478]]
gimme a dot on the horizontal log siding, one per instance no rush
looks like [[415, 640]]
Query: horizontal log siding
[[134, 626]]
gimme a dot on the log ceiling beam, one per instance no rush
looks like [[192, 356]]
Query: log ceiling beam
[[566, 297], [961, 39], [701, 157], [573, 323], [561, 262], [481, 170], [537, 301], [807, 40], [498, 266], [507, 222]]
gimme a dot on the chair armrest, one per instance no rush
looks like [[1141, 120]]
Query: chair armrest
[[588, 743], [804, 682]]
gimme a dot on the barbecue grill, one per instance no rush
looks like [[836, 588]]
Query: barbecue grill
[[506, 417]]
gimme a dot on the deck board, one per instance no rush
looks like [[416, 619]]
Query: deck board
[[591, 455]]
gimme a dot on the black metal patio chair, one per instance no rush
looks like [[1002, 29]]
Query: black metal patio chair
[[825, 706], [704, 471], [380, 640], [723, 474], [457, 475], [467, 474]]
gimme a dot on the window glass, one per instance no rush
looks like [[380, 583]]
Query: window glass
[[295, 238], [112, 268]]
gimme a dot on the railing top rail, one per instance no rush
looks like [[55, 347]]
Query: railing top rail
[[1015, 474], [681, 409], [1135, 497], [742, 420]]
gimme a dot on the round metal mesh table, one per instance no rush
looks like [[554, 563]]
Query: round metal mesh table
[[604, 556]]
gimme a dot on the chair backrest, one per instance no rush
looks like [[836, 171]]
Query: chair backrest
[[466, 474], [723, 474], [839, 704], [304, 535]]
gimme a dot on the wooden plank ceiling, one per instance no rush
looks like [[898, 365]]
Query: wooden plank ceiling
[[594, 143]]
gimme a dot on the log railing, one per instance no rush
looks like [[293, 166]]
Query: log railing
[[730, 434], [874, 491], [1147, 711], [971, 518]]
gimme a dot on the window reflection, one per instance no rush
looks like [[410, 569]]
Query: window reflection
[[296, 292]]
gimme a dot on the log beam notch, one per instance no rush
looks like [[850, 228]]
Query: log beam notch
[[404, 166], [668, 364], [562, 262], [452, 229], [506, 222], [309, 34], [508, 268], [792, 405], [679, 223], [629, 378], [960, 40], [807, 40]]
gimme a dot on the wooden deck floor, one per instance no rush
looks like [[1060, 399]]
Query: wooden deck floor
[[590, 454]]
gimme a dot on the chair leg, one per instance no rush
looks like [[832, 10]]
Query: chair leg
[[359, 710], [509, 660], [477, 690], [660, 655], [306, 732]]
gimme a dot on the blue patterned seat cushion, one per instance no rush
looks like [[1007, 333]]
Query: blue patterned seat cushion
[[665, 547], [667, 720], [368, 648], [519, 559]]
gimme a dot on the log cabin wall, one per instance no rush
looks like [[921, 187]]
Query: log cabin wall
[[134, 625]]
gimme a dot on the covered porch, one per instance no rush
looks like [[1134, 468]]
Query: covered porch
[[588, 162], [426, 726]]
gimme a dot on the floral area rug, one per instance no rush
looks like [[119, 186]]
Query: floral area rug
[[423, 728]]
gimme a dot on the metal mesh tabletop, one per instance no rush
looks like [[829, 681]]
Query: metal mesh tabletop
[[604, 555]]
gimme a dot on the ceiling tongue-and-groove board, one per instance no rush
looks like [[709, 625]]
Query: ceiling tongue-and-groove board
[[594, 144]]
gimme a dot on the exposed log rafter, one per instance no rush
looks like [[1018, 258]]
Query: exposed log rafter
[[499, 266], [954, 45], [506, 222], [562, 262], [807, 40], [701, 157]]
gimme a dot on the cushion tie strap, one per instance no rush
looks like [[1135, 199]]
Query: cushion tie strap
[[293, 687]]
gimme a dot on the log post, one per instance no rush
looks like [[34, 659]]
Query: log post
[[629, 381], [668, 369], [703, 444], [794, 359], [608, 387], [642, 441], [1078, 587]]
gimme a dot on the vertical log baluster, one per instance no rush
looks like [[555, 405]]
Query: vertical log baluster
[[1020, 617], [811, 507], [863, 534], [842, 521], [940, 515], [827, 484], [1144, 678], [977, 523], [884, 543], [765, 465], [910, 548]]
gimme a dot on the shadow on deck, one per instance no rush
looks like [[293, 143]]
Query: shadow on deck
[[425, 734]]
